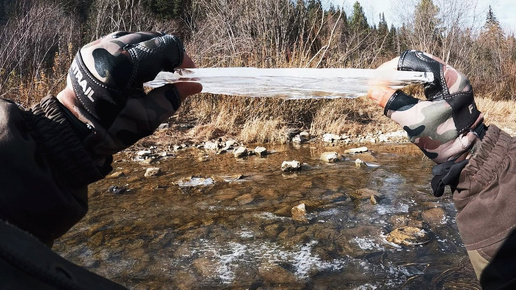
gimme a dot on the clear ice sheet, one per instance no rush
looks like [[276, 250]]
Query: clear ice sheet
[[290, 83]]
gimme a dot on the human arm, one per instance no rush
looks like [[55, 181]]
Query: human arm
[[447, 126], [51, 153], [476, 161]]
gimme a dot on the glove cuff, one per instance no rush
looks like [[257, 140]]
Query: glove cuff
[[61, 146], [415, 60], [399, 101]]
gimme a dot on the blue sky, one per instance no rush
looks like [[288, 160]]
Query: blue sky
[[504, 10]]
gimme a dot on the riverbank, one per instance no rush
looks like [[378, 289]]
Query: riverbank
[[262, 121]]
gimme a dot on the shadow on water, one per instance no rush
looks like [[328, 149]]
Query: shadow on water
[[236, 230]]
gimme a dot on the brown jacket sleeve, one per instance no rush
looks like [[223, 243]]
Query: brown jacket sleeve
[[485, 199], [44, 170]]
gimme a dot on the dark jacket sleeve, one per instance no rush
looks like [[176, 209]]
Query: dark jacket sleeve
[[44, 170]]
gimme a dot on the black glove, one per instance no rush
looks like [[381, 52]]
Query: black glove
[[107, 78]]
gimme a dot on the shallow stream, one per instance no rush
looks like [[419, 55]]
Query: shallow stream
[[231, 226]]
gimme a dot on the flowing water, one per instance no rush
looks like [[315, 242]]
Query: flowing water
[[214, 221]]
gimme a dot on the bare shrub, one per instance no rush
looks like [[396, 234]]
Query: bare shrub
[[30, 42]]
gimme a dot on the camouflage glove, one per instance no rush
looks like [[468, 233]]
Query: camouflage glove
[[446, 126], [105, 88]]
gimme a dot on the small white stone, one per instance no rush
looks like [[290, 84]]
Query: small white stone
[[152, 171]]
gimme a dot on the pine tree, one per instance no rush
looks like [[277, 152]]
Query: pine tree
[[358, 21], [383, 28], [425, 33]]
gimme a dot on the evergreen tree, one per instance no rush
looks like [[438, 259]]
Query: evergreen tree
[[425, 34], [358, 21], [491, 19], [383, 28]]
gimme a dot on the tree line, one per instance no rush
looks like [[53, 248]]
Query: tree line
[[40, 37]]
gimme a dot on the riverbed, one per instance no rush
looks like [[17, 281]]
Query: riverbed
[[210, 220]]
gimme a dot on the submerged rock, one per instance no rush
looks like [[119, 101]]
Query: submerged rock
[[435, 216], [330, 157], [356, 150], [276, 275], [288, 166], [206, 267], [117, 189], [366, 193], [152, 171], [408, 236], [195, 181], [116, 175], [244, 199], [299, 213]]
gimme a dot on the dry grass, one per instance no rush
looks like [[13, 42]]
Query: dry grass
[[262, 120], [500, 113], [269, 119], [261, 130]]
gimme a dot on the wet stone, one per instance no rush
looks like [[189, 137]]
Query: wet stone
[[205, 267], [269, 193], [163, 126], [276, 274], [272, 230], [227, 194], [299, 213], [230, 144], [260, 151], [116, 174], [356, 150], [240, 152], [209, 145], [297, 139], [305, 136], [330, 138], [152, 171], [117, 189], [434, 216], [289, 166], [408, 236], [244, 199], [287, 233], [97, 239], [366, 193], [366, 157], [330, 157], [359, 163]]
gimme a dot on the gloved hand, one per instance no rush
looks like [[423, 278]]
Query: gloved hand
[[105, 88], [447, 125]]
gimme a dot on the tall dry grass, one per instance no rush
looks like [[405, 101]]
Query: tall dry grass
[[267, 33]]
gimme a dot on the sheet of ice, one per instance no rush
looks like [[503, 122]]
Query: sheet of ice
[[290, 83]]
